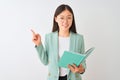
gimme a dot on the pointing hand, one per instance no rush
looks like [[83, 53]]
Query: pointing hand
[[36, 38]]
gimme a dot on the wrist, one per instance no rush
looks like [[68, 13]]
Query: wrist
[[36, 45], [82, 71]]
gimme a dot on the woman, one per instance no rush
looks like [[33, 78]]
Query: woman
[[63, 37]]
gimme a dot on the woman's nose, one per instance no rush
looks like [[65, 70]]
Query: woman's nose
[[66, 21]]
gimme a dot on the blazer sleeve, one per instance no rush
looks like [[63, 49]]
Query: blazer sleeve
[[43, 52]]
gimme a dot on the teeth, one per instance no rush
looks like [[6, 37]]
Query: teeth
[[65, 26]]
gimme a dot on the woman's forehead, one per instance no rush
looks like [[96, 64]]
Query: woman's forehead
[[65, 13]]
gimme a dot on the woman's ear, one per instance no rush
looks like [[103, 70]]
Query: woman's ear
[[56, 19]]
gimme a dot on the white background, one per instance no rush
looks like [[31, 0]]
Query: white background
[[97, 20]]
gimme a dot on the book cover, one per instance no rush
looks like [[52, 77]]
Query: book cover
[[69, 57]]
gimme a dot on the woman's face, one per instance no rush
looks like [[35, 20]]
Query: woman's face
[[64, 20]]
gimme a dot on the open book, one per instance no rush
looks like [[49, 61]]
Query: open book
[[69, 57]]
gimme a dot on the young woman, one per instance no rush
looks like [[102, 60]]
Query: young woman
[[63, 37]]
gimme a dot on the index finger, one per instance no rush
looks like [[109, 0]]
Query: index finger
[[33, 32]]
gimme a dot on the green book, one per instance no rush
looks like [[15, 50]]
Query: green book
[[69, 57]]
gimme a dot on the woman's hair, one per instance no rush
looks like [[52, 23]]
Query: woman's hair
[[60, 9]]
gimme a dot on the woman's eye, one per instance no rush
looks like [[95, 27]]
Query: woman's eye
[[69, 17], [61, 18]]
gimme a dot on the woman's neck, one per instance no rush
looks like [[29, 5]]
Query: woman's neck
[[64, 33]]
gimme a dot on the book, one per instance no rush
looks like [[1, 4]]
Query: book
[[70, 57]]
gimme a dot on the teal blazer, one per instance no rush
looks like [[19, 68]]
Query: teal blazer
[[49, 54]]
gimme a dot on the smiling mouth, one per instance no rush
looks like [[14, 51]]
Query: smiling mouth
[[65, 26]]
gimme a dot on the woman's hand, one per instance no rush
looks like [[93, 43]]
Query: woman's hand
[[75, 69], [36, 38]]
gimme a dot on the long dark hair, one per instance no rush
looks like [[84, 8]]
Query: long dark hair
[[60, 9]]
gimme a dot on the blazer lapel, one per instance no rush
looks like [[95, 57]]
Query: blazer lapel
[[55, 45], [72, 42]]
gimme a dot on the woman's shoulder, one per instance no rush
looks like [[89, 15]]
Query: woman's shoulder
[[76, 34]]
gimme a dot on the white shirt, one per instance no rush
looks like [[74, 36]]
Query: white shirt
[[63, 45]]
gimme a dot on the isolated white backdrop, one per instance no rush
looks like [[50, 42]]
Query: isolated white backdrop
[[97, 20]]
